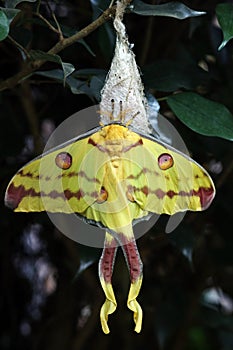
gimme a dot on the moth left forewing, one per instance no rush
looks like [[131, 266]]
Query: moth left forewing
[[43, 184]]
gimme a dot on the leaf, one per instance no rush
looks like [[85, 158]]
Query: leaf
[[23, 36], [224, 14], [202, 115], [107, 40], [87, 47], [89, 72], [97, 83], [169, 76], [98, 6], [10, 13], [68, 68], [67, 32], [4, 26], [6, 17], [14, 3], [172, 9], [77, 86], [96, 77], [106, 33]]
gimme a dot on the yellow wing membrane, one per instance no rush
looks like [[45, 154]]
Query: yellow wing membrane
[[112, 177], [169, 181], [55, 182]]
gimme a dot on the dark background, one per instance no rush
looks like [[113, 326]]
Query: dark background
[[50, 294]]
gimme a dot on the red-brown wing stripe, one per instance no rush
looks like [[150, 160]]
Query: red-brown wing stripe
[[15, 195], [102, 148], [143, 171], [77, 174], [205, 194], [63, 174]]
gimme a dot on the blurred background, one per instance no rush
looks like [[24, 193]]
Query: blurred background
[[50, 293]]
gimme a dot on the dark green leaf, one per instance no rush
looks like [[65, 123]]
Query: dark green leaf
[[98, 6], [83, 42], [68, 68], [106, 33], [202, 115], [97, 83], [10, 13], [89, 72], [56, 74], [107, 39], [225, 18], [96, 77], [14, 3], [67, 32], [171, 9], [4, 26], [77, 86], [22, 35], [169, 75]]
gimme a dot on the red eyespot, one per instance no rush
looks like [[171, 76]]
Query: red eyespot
[[165, 161], [63, 160]]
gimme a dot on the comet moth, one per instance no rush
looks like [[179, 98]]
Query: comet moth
[[114, 175]]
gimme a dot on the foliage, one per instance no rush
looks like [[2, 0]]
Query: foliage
[[54, 57], [201, 115]]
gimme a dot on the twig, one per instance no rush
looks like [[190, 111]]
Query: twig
[[111, 3], [47, 22], [56, 21], [58, 27], [30, 66], [38, 6], [19, 46]]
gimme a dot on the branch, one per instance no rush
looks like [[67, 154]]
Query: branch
[[30, 66], [47, 22]]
